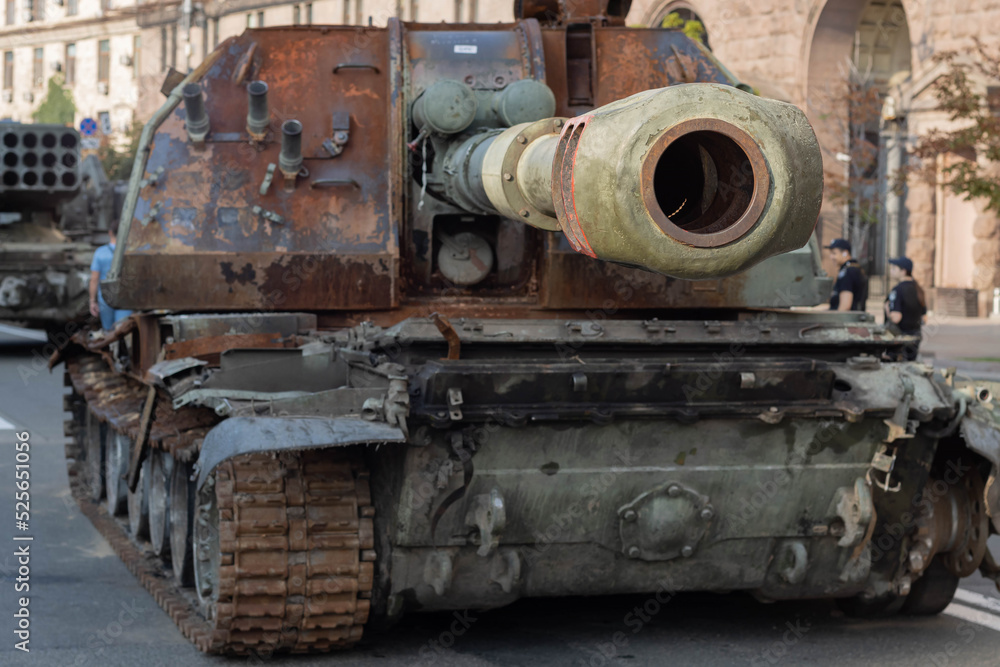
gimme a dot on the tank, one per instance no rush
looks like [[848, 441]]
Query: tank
[[54, 212], [435, 317]]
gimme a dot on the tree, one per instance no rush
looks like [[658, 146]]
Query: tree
[[974, 108], [117, 162], [58, 107], [693, 29], [852, 108]]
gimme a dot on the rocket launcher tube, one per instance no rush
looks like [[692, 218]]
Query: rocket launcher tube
[[693, 181]]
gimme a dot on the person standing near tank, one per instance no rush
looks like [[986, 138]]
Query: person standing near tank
[[850, 291], [99, 268], [905, 306]]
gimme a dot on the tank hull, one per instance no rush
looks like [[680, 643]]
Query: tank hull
[[491, 460]]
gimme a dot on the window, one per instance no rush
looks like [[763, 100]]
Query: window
[[136, 56], [215, 33], [473, 11], [309, 13], [414, 10], [70, 64], [260, 19], [8, 70], [250, 20], [11, 11], [37, 8], [103, 60], [296, 15], [163, 49], [105, 5], [38, 67], [346, 20], [458, 11], [72, 7], [359, 12]]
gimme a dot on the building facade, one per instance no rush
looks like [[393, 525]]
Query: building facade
[[90, 45], [815, 54]]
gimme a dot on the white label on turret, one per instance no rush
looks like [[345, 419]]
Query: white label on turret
[[466, 48]]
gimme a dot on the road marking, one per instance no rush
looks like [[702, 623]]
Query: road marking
[[5, 425], [29, 334], [978, 600], [973, 616]]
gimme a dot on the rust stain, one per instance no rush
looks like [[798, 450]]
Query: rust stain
[[337, 248], [246, 274]]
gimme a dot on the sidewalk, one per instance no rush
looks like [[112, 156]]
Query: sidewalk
[[972, 345]]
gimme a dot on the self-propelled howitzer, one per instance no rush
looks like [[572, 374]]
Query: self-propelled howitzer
[[417, 330]]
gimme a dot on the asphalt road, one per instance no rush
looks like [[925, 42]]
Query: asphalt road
[[86, 609]]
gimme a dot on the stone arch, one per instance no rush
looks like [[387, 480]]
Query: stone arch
[[833, 34], [859, 43]]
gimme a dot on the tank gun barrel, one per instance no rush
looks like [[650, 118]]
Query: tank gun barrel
[[692, 181]]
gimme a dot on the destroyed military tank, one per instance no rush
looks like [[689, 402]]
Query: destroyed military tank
[[55, 210], [437, 317]]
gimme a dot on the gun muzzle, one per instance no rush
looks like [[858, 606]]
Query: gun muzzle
[[258, 113], [197, 118], [290, 157], [693, 181]]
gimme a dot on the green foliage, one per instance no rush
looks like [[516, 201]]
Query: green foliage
[[117, 161], [58, 107], [672, 20], [973, 150], [693, 29]]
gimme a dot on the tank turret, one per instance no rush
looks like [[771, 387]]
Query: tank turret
[[479, 174]]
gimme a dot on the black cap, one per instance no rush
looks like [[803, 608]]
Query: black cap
[[840, 244], [903, 263]]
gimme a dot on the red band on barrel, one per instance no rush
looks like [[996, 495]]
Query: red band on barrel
[[570, 220]]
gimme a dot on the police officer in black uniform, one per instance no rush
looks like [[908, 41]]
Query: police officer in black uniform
[[850, 291], [905, 306]]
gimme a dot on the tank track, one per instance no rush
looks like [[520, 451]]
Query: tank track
[[296, 539]]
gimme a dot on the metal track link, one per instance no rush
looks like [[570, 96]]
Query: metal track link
[[296, 539], [295, 532]]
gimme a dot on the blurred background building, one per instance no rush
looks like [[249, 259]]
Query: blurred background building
[[863, 70]]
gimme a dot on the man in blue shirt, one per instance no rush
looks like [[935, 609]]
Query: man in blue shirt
[[99, 268]]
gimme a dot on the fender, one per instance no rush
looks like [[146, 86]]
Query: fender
[[248, 435], [981, 431], [982, 437]]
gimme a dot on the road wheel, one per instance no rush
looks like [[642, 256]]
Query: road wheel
[[181, 518], [138, 504], [933, 591], [115, 469], [95, 457], [161, 465], [207, 552]]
